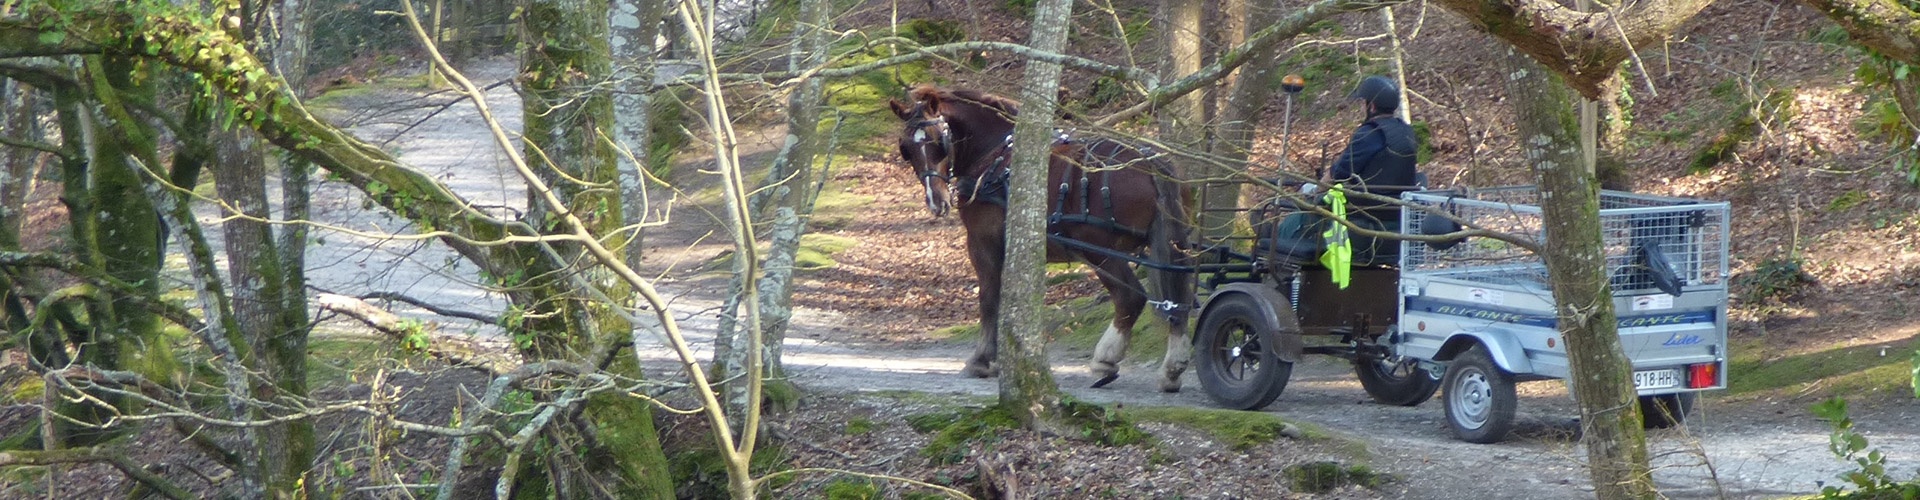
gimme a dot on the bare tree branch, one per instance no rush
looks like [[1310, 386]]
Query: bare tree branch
[[112, 456], [1584, 47], [919, 53], [1882, 25], [442, 347], [1240, 54], [75, 268], [454, 313]]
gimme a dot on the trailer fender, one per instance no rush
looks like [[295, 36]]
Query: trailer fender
[[1278, 314], [1505, 351]]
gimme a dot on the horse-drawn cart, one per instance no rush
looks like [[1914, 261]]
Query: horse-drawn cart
[[1472, 316]]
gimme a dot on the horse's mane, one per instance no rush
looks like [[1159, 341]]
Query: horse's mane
[[1006, 106]]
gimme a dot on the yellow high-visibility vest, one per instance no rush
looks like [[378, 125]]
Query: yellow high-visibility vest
[[1338, 258]]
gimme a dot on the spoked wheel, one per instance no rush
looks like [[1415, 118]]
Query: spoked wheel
[[1396, 380], [1235, 365], [1665, 410], [1479, 398]]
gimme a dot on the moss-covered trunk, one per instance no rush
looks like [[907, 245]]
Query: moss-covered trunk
[[18, 120], [1026, 380], [119, 234], [268, 305], [263, 304], [564, 70], [1576, 265]]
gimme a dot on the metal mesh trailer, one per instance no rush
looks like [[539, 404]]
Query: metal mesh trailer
[[1485, 306]]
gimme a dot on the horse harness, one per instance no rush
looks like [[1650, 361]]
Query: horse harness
[[991, 186]]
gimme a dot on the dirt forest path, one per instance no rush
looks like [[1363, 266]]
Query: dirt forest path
[[1757, 449]]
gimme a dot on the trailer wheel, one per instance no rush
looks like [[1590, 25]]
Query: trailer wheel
[[1395, 380], [1234, 363], [1479, 397], [1665, 410]]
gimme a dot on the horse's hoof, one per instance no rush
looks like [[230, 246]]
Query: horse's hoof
[[1106, 380], [1169, 386], [977, 371]]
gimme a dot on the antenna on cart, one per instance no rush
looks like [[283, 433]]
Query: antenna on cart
[[1291, 84]]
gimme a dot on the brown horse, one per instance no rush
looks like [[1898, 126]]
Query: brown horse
[[1106, 198]]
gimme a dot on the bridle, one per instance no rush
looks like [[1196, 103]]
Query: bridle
[[944, 134], [943, 131]]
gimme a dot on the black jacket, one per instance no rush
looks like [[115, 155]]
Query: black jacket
[[1381, 153]]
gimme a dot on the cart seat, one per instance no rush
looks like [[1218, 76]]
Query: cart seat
[[1289, 248]]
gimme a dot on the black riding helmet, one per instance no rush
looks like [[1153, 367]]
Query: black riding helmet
[[1379, 91]]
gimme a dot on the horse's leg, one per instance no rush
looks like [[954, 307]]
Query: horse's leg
[[986, 252], [1128, 298], [1179, 351]]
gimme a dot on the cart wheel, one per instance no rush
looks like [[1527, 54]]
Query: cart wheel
[[1233, 366], [1479, 398], [1665, 410], [1395, 380]]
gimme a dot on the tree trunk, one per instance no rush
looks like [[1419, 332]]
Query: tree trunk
[[1576, 266], [564, 65], [296, 173], [223, 336], [1183, 121], [120, 234], [1405, 111], [270, 312], [787, 187], [260, 298], [635, 25], [18, 119], [1026, 380], [1252, 88]]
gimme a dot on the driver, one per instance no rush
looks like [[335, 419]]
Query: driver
[[1379, 159], [1382, 150]]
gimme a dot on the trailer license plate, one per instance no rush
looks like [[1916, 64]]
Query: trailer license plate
[[1656, 379]]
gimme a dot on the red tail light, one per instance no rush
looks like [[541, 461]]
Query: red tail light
[[1702, 375]]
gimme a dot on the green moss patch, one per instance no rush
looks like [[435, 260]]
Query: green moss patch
[[955, 432], [28, 390], [1322, 477], [850, 489], [1857, 370], [1745, 124], [1099, 424], [815, 253], [861, 101], [701, 472], [957, 333], [1846, 200], [332, 96], [858, 426], [1239, 430]]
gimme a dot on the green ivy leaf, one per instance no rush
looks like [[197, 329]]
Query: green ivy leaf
[[1833, 409], [52, 37]]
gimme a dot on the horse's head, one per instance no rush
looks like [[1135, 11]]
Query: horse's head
[[927, 147]]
